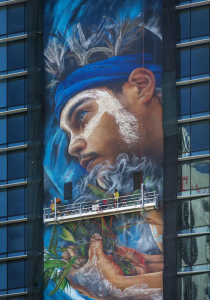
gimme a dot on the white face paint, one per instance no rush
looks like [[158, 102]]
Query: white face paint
[[128, 124]]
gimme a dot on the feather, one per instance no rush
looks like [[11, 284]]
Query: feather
[[81, 34]]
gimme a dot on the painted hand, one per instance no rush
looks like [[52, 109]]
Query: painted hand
[[102, 278]]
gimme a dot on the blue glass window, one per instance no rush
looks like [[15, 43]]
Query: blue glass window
[[16, 274], [16, 55], [3, 166], [3, 272], [194, 138], [183, 95], [193, 62], [3, 93], [3, 238], [200, 99], [16, 128], [16, 91], [16, 238], [16, 165], [193, 24], [200, 61], [16, 201], [13, 130], [199, 141], [3, 131], [200, 22], [183, 63], [12, 19], [183, 23], [3, 20], [16, 18], [3, 57], [193, 100], [3, 210]]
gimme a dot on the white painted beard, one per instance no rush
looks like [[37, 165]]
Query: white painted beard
[[120, 177]]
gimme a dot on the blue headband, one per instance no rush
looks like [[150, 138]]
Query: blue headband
[[112, 70]]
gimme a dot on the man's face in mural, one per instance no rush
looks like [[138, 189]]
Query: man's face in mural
[[102, 124]]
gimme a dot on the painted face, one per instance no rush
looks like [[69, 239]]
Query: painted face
[[99, 127]]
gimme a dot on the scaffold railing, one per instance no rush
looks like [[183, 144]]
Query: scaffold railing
[[109, 206]]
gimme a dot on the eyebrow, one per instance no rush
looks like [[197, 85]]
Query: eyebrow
[[80, 102]]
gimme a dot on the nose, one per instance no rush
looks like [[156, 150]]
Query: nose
[[77, 147]]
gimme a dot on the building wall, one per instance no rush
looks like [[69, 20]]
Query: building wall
[[193, 169], [13, 149], [103, 125]]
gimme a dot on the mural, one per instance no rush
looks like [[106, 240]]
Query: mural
[[103, 124]]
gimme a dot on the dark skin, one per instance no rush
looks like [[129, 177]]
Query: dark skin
[[138, 99], [104, 144]]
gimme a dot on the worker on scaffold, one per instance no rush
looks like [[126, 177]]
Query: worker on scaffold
[[52, 208], [116, 198]]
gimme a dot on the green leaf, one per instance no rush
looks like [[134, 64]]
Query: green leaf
[[83, 250], [62, 249], [47, 277], [66, 235], [49, 256], [63, 276], [81, 230], [101, 194], [71, 226], [54, 241], [54, 263]]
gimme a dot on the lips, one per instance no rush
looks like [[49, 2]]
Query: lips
[[88, 164]]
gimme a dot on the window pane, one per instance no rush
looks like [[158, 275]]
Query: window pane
[[16, 91], [16, 201], [3, 131], [201, 211], [16, 274], [15, 18], [184, 137], [3, 166], [183, 63], [184, 101], [183, 177], [200, 98], [3, 197], [16, 55], [16, 238], [183, 23], [194, 287], [3, 20], [200, 60], [199, 141], [16, 164], [3, 272], [183, 215], [3, 57], [200, 174], [3, 93], [3, 238], [200, 22], [16, 128]]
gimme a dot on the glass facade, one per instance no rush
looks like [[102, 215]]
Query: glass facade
[[13, 163], [193, 189], [188, 104]]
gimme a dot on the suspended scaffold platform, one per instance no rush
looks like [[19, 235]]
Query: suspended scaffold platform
[[104, 207]]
